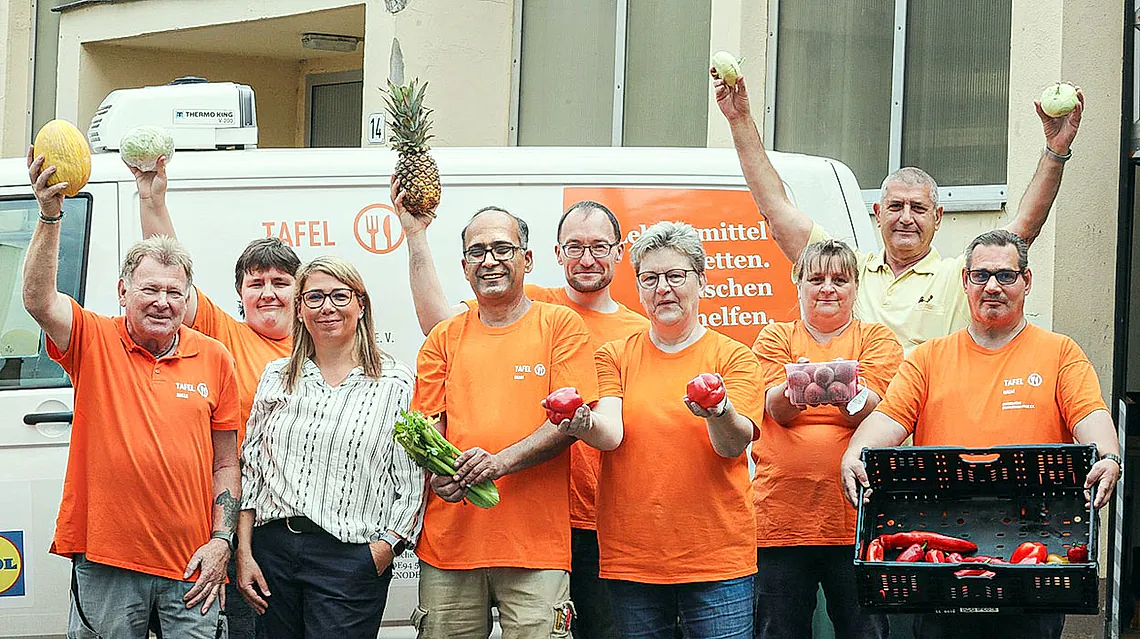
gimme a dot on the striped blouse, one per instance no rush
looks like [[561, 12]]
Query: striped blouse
[[328, 453]]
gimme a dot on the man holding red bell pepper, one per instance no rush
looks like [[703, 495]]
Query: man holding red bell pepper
[[1055, 398]]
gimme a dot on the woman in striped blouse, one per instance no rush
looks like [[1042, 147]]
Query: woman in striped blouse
[[329, 498]]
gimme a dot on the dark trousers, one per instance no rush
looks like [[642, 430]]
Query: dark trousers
[[786, 585], [241, 620], [590, 595], [320, 587], [1003, 625]]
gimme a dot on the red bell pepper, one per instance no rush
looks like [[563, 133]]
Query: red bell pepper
[[975, 572], [705, 390], [939, 541], [912, 554], [875, 550], [935, 556], [1034, 549], [1078, 554], [954, 558], [561, 404], [1030, 560]]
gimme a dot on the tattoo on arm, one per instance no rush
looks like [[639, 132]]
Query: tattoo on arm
[[230, 509]]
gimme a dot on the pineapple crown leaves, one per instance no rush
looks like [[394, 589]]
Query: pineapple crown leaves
[[410, 124]]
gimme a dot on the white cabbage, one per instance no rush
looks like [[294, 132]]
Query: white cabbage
[[143, 145]]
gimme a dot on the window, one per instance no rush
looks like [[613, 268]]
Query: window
[[613, 72], [881, 85], [23, 357]]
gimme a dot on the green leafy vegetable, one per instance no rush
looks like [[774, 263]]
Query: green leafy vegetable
[[432, 452]]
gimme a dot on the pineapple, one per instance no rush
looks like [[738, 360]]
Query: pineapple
[[416, 170]]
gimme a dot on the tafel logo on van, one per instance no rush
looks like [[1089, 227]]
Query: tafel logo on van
[[12, 563]]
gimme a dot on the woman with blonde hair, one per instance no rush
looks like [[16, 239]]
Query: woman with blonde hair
[[804, 528], [329, 499]]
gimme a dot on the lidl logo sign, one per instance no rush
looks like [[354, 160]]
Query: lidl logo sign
[[11, 563]]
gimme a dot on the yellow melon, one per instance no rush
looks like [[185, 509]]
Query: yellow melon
[[65, 148]]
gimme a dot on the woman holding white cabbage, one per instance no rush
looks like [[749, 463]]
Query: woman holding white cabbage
[[805, 530]]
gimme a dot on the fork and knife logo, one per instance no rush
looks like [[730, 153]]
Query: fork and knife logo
[[377, 229]]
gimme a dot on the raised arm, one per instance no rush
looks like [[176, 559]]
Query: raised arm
[[790, 226], [42, 299], [427, 293], [1042, 190], [155, 219]]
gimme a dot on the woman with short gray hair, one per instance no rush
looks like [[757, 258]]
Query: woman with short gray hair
[[676, 545]]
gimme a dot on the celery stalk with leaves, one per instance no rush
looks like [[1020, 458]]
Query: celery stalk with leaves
[[432, 452]]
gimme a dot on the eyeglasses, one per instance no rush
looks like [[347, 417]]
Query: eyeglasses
[[576, 251], [340, 297], [675, 277], [1005, 276], [501, 253]]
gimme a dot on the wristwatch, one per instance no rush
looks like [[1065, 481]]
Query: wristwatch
[[398, 545], [229, 536], [1114, 457]]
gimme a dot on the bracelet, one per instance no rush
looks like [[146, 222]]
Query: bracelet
[[51, 220], [1057, 156], [1114, 457]]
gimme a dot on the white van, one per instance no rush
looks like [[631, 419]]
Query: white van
[[336, 201]]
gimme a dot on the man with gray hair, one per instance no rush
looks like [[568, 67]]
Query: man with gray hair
[[908, 286], [1000, 381], [152, 491]]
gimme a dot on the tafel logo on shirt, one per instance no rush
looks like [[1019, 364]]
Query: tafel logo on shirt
[[522, 370], [183, 389], [1010, 387]]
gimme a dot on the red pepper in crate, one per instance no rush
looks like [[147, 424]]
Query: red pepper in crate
[[1030, 549], [875, 550], [706, 390], [561, 404], [975, 572], [934, 540], [935, 556], [912, 554], [954, 558], [1078, 554]]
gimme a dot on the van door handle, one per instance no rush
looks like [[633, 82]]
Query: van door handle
[[31, 419]]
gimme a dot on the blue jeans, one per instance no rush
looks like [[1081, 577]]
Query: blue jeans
[[706, 610], [115, 603], [786, 585]]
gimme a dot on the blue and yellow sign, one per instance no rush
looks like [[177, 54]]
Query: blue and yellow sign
[[12, 563]]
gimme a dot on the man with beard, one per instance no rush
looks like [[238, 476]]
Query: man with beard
[[1054, 398], [485, 373], [589, 248]]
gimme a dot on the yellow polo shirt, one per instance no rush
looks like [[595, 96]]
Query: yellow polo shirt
[[925, 301]]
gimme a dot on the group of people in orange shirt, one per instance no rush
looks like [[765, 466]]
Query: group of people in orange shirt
[[635, 517]]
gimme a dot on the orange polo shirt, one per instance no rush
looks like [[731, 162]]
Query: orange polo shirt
[[1033, 390], [796, 490], [490, 381], [138, 493], [251, 350], [670, 509]]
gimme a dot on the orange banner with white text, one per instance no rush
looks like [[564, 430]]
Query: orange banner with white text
[[749, 279]]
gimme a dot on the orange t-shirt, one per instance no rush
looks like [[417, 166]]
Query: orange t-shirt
[[139, 492], [796, 491], [585, 460], [670, 509], [251, 350], [491, 381], [1033, 390]]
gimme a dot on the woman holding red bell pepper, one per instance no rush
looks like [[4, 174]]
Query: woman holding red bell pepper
[[804, 528], [684, 399]]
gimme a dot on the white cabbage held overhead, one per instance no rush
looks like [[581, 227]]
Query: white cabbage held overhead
[[143, 145]]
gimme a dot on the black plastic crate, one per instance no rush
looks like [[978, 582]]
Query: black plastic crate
[[997, 498]]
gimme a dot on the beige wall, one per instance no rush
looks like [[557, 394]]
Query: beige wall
[[15, 77], [275, 82]]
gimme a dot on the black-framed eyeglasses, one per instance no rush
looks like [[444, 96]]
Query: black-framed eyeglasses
[[1005, 276], [340, 297], [500, 252], [673, 277], [598, 251]]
